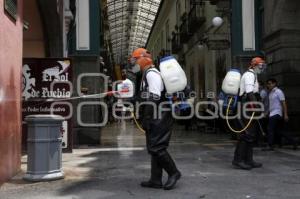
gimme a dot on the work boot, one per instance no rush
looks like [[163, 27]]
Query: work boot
[[239, 156], [168, 164], [249, 157], [156, 175]]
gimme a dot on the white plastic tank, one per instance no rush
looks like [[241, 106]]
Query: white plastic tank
[[172, 74], [231, 82]]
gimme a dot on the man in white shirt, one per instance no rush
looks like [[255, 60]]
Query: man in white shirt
[[158, 130], [249, 82], [278, 113], [249, 90]]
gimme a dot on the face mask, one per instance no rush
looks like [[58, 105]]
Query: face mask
[[260, 68], [136, 68], [257, 70]]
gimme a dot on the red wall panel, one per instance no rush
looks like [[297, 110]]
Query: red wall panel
[[11, 40]]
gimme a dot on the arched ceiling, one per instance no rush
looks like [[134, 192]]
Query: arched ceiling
[[130, 22]]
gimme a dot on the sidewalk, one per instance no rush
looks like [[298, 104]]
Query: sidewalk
[[115, 170]]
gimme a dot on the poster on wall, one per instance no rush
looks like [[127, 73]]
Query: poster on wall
[[46, 86]]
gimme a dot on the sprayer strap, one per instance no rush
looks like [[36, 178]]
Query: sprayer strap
[[255, 79], [144, 78]]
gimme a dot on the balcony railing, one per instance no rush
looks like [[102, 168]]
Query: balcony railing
[[195, 18]]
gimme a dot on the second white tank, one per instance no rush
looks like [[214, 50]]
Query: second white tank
[[231, 82], [172, 74]]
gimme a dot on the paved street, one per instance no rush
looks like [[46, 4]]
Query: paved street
[[86, 59], [115, 170]]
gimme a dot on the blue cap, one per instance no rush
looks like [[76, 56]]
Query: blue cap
[[166, 58]]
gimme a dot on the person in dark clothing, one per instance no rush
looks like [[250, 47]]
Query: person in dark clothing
[[243, 155], [158, 130]]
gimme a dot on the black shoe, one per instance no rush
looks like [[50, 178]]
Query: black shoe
[[241, 165], [255, 164], [171, 182], [150, 184]]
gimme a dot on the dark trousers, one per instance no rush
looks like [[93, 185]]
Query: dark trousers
[[244, 147], [276, 133], [251, 134], [158, 131], [274, 128]]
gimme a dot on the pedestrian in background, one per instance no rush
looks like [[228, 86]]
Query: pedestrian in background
[[278, 116]]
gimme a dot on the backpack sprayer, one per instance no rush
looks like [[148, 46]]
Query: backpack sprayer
[[230, 89], [175, 82]]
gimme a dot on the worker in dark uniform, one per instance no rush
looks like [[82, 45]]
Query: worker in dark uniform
[[249, 92], [158, 130]]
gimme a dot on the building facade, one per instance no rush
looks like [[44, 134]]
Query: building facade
[[43, 36], [184, 29], [269, 29], [11, 20]]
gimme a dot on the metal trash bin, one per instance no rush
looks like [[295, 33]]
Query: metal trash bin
[[44, 148]]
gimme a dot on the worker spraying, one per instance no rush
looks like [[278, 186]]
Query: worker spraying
[[157, 130], [247, 89]]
